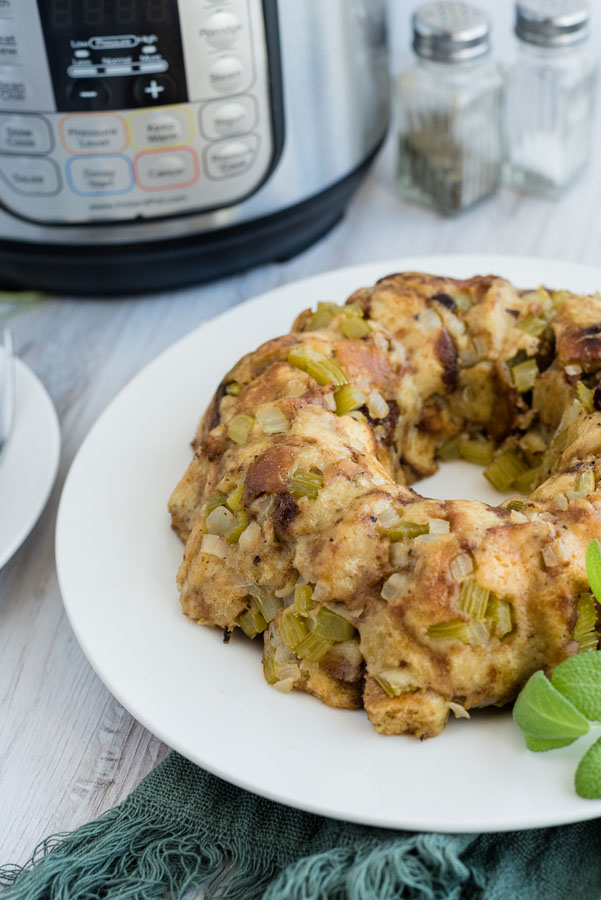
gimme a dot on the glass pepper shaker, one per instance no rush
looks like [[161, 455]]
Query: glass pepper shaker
[[550, 96], [449, 110]]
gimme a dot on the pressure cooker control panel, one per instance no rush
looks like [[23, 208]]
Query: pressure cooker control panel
[[122, 109]]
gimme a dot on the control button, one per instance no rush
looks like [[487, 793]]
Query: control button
[[221, 29], [93, 175], [230, 158], [6, 8], [225, 117], [154, 90], [226, 75], [24, 134], [89, 94], [30, 175], [159, 171], [161, 127], [13, 87], [93, 134], [9, 49]]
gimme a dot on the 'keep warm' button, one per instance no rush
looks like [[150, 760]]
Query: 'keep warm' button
[[93, 176], [157, 171], [227, 159]]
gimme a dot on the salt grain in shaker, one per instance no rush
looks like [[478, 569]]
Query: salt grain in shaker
[[550, 96], [449, 110]]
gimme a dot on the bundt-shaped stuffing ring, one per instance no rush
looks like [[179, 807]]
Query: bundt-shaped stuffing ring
[[299, 523]]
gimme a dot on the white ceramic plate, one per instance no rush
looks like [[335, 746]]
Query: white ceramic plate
[[28, 468], [117, 560]]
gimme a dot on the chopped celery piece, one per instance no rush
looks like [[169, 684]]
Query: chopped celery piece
[[268, 605], [560, 440], [270, 670], [239, 428], [393, 682], [386, 686], [466, 632], [585, 632], [292, 629], [462, 301], [407, 530], [331, 626], [241, 522], [585, 395], [348, 398], [306, 484], [450, 449], [354, 328], [233, 389], [323, 370], [473, 600], [516, 505], [476, 451], [234, 500], [251, 622], [532, 325], [586, 481], [215, 500], [498, 617], [303, 602], [324, 314], [524, 375], [314, 647], [526, 482], [504, 469]]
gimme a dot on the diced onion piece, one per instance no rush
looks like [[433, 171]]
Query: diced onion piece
[[473, 600], [389, 518], [377, 406], [234, 500], [292, 629], [481, 344], [249, 537], [303, 598], [518, 518], [532, 325], [399, 555], [561, 501], [427, 538], [393, 681], [466, 632], [586, 482], [439, 526], [323, 370], [354, 328], [406, 530], [429, 319], [314, 647], [573, 369], [468, 357], [585, 395], [324, 314], [357, 415], [251, 622], [553, 555], [239, 428], [272, 420], [459, 711], [220, 521], [268, 605], [575, 495], [233, 389], [331, 626], [524, 375], [348, 398], [305, 484], [262, 507], [394, 587], [585, 632], [450, 450], [215, 500], [461, 566], [214, 545], [239, 527], [504, 469], [476, 451], [462, 301], [498, 617]]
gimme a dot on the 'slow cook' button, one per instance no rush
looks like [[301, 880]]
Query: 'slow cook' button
[[24, 134], [97, 175], [30, 175], [93, 134], [157, 171], [230, 158]]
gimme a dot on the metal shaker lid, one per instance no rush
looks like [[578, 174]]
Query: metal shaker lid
[[450, 32], [552, 23]]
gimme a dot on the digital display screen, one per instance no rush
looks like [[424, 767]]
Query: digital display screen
[[109, 13]]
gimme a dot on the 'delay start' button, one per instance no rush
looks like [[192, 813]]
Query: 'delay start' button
[[160, 127], [228, 159], [93, 134], [156, 171], [91, 176], [24, 175]]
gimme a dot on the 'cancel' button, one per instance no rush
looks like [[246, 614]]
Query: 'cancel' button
[[157, 171]]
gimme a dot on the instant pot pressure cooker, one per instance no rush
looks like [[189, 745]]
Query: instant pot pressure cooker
[[147, 143]]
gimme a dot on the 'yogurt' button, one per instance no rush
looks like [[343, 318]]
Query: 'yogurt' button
[[93, 134], [221, 29], [159, 171], [160, 128], [24, 134], [94, 175], [226, 75], [231, 158], [224, 117], [30, 175]]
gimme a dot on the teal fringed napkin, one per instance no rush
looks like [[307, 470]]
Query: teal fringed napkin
[[183, 828]]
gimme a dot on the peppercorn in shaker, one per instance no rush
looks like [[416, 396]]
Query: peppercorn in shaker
[[449, 110], [550, 96]]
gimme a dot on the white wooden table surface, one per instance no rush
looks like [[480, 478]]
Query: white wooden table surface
[[68, 750]]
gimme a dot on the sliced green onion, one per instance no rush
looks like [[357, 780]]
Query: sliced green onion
[[233, 389], [348, 398], [314, 647], [251, 622], [503, 471], [450, 449], [354, 328], [240, 526], [234, 500], [270, 670], [526, 482], [407, 530], [586, 482], [324, 314], [585, 395], [239, 428], [473, 600], [305, 484], [321, 368], [331, 626], [215, 500], [303, 602], [498, 617], [585, 630], [268, 605], [467, 632], [477, 451], [524, 375], [532, 325], [292, 629]]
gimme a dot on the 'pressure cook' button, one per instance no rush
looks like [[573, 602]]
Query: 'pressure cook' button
[[160, 128], [24, 134], [224, 117], [221, 29], [95, 175], [230, 158], [30, 175], [226, 75], [93, 134], [158, 171]]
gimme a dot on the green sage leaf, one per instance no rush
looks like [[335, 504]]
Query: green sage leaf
[[540, 745], [588, 774], [593, 567], [542, 712], [579, 680]]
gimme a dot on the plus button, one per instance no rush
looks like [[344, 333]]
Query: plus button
[[155, 90], [151, 90]]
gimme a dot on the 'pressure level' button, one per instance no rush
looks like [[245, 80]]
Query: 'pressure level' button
[[156, 171], [29, 175], [93, 134], [92, 176]]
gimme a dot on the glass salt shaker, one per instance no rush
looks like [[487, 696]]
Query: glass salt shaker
[[449, 110], [550, 96]]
